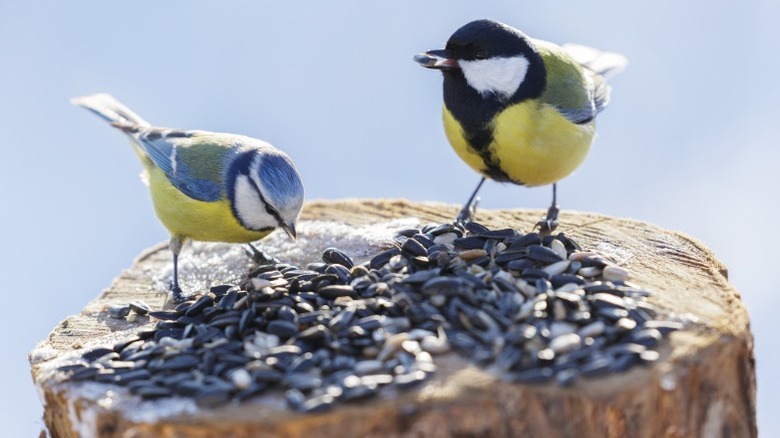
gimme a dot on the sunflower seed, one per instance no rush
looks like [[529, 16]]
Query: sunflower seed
[[334, 255], [537, 309], [118, 311]]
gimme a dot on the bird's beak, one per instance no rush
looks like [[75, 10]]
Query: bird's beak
[[290, 229], [439, 59]]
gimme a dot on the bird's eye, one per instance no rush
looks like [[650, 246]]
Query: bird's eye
[[480, 54]]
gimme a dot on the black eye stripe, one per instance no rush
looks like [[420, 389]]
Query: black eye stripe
[[268, 208]]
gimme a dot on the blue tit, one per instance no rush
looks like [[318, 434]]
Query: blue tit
[[209, 186], [518, 109]]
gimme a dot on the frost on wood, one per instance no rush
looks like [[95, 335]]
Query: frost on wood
[[202, 265], [703, 382]]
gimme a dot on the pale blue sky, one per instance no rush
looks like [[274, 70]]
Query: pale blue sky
[[687, 143]]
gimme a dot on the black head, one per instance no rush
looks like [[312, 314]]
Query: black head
[[484, 39], [494, 60]]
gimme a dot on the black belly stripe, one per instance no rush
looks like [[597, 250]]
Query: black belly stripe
[[479, 142], [475, 115]]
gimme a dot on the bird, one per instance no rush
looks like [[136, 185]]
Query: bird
[[208, 186], [518, 109]]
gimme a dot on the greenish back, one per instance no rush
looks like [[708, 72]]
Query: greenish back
[[568, 88]]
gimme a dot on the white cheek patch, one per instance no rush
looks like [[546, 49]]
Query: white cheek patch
[[250, 210], [501, 76]]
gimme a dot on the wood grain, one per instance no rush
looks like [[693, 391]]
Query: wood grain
[[704, 385]]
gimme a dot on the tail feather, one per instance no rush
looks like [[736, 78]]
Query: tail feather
[[128, 128], [603, 63], [111, 110]]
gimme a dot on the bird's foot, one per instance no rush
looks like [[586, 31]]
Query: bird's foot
[[178, 295], [467, 213], [260, 257], [550, 222]]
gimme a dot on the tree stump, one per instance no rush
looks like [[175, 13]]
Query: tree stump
[[703, 385]]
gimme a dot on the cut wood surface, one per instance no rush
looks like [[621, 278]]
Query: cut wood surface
[[703, 386]]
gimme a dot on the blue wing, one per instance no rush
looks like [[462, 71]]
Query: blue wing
[[192, 160]]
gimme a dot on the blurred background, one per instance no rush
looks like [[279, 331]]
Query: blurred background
[[688, 143]]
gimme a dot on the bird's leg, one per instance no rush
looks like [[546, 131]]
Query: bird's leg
[[175, 245], [261, 257], [550, 222], [470, 208]]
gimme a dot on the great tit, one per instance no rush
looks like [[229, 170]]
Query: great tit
[[208, 186], [518, 109]]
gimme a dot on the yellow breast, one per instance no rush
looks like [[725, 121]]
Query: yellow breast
[[197, 220], [534, 144]]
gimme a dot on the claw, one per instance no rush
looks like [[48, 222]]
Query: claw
[[550, 222], [178, 296], [260, 257], [467, 212], [546, 227], [470, 209]]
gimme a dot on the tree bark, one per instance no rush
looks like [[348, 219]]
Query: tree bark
[[703, 385]]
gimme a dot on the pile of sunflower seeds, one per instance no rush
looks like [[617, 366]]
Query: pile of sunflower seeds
[[532, 309]]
